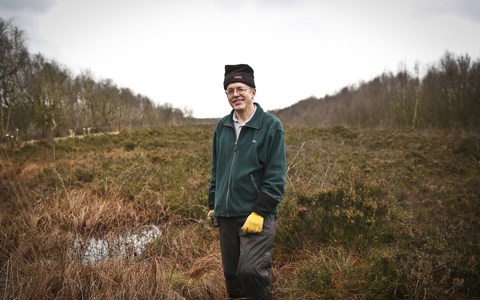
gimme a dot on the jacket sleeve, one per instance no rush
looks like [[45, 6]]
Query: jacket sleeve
[[275, 176], [213, 178]]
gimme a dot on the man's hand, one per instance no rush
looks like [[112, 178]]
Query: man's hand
[[253, 224], [212, 219]]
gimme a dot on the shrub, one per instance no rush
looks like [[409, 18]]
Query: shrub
[[129, 146], [354, 211]]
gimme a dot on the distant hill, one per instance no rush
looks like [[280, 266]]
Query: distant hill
[[446, 97]]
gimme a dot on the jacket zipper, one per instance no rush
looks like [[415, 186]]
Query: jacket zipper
[[231, 165], [255, 183], [231, 168], [230, 177]]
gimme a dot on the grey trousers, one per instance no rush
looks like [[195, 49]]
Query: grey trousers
[[247, 259]]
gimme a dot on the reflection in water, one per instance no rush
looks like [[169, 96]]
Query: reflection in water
[[95, 250]]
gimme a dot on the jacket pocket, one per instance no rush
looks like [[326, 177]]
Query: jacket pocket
[[254, 183]]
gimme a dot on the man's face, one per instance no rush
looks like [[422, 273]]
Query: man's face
[[240, 102]]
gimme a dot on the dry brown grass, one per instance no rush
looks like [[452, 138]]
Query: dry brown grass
[[39, 225], [36, 263], [366, 215]]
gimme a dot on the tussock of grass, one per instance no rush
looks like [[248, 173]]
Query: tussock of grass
[[367, 214]]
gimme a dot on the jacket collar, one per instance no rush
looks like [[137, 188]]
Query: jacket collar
[[255, 121]]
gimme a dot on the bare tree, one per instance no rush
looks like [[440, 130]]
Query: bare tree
[[13, 56], [86, 114], [108, 98], [47, 92]]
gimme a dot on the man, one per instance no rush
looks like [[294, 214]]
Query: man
[[247, 183]]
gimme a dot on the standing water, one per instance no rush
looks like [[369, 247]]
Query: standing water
[[94, 250]]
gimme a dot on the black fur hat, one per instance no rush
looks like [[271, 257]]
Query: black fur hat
[[238, 73]]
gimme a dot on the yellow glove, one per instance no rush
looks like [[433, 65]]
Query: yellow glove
[[253, 224], [212, 219]]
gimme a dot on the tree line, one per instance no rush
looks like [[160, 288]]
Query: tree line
[[447, 96], [40, 98]]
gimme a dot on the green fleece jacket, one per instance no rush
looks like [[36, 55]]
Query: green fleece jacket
[[248, 175]]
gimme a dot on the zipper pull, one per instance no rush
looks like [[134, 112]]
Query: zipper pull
[[235, 149]]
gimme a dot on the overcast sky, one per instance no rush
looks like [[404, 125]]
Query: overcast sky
[[175, 51]]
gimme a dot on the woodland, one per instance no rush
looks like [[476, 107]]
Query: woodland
[[41, 98], [443, 95]]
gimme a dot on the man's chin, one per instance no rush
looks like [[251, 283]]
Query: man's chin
[[238, 107]]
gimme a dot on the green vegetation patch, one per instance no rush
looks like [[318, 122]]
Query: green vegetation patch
[[367, 214]]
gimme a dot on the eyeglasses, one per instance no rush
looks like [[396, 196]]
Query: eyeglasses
[[240, 91]]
